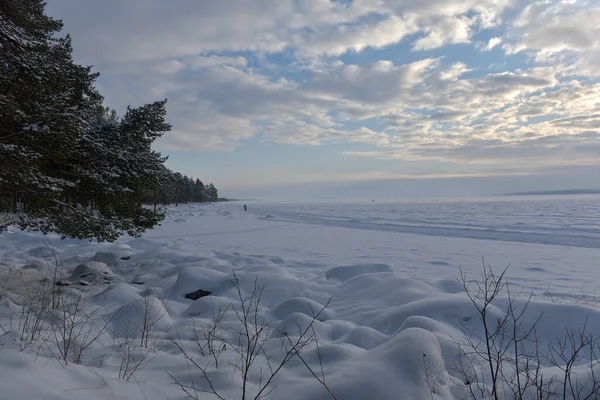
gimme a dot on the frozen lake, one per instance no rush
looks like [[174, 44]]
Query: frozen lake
[[551, 243], [560, 220]]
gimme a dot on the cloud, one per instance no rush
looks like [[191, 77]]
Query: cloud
[[375, 83], [143, 30], [370, 176], [564, 32], [381, 75], [492, 43], [447, 31], [455, 71], [214, 61], [340, 39], [578, 32], [449, 21], [447, 115], [538, 151]]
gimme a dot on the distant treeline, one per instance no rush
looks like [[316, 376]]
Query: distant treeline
[[555, 192], [177, 189]]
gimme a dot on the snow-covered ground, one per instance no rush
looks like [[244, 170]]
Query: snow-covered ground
[[390, 330]]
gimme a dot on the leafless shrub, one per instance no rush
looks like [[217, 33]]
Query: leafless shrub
[[134, 357], [139, 343], [3, 300], [501, 349], [211, 342], [2, 287], [55, 268], [149, 319], [488, 350], [37, 296], [586, 297], [251, 335], [35, 305], [567, 352], [75, 326]]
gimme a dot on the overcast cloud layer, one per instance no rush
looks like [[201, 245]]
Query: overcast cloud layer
[[480, 85]]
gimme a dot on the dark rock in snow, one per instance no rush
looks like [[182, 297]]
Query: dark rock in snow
[[125, 258], [197, 294], [62, 283]]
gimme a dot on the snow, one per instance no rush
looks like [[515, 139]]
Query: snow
[[346, 272], [91, 271], [381, 277]]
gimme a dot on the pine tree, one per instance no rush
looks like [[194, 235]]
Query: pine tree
[[188, 189], [199, 191], [23, 25], [67, 164], [45, 101], [177, 185], [176, 188], [212, 194], [116, 167]]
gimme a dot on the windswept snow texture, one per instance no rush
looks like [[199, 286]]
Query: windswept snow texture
[[386, 274], [562, 222]]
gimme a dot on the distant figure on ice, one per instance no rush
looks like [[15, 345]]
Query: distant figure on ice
[[245, 208]]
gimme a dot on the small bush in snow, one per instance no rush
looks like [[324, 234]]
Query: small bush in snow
[[506, 357], [249, 343]]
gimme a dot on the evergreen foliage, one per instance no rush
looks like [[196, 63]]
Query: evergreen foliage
[[67, 164], [180, 189]]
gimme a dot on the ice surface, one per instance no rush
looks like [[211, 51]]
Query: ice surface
[[387, 272]]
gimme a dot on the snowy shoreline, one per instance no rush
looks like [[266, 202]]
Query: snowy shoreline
[[391, 329]]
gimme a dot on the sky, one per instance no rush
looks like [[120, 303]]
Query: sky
[[287, 98]]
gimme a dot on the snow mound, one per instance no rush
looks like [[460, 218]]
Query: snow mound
[[414, 357], [46, 252], [391, 331], [92, 271], [11, 340], [208, 306], [301, 305], [110, 258], [149, 312], [191, 279], [340, 328], [450, 286], [421, 322], [24, 378], [297, 324], [144, 244], [453, 310], [116, 295], [364, 337], [346, 272], [410, 364]]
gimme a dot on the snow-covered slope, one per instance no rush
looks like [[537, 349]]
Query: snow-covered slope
[[393, 318]]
